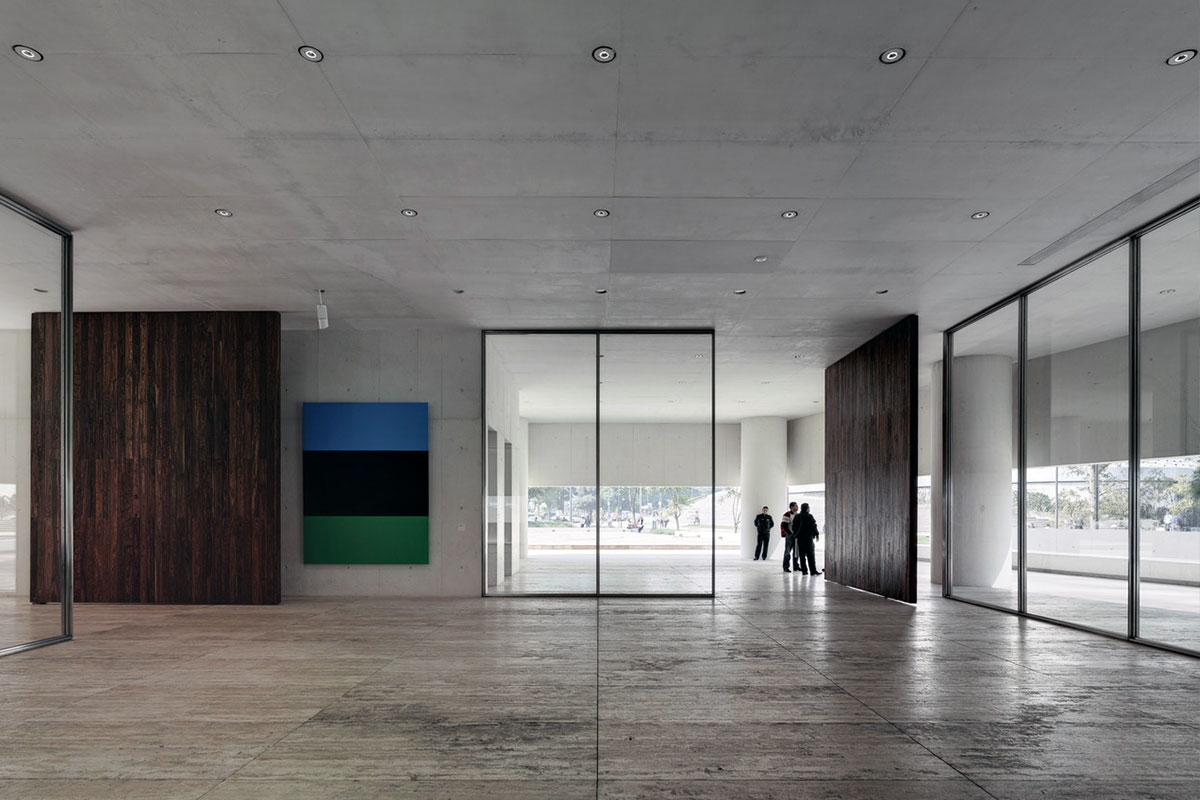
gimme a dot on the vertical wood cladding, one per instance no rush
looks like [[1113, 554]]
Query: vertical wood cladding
[[871, 465], [176, 485]]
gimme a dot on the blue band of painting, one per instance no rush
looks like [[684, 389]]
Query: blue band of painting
[[366, 426]]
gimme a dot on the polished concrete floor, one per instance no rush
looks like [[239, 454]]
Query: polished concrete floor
[[783, 687]]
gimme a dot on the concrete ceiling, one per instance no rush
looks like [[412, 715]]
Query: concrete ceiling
[[492, 120]]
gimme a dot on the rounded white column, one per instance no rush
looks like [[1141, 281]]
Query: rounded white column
[[981, 461], [764, 475]]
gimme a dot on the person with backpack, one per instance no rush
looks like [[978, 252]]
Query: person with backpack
[[763, 524], [790, 552]]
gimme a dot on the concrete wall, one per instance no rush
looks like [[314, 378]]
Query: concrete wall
[[806, 450], [14, 441], [634, 454], [418, 364]]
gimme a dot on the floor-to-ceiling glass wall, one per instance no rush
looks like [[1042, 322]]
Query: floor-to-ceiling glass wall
[[1077, 428], [984, 427], [32, 256], [598, 473], [1107, 467], [1169, 433], [657, 498]]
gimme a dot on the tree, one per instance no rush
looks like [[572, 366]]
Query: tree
[[735, 494], [679, 498]]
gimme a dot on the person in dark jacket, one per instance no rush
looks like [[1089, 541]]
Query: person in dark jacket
[[805, 527], [764, 525], [790, 553]]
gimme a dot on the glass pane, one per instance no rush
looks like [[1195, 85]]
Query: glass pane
[[30, 258], [1077, 383], [541, 463], [657, 500], [1169, 431], [984, 420]]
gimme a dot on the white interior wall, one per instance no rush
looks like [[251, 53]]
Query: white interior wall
[[634, 454], [806, 450], [15, 439], [504, 416], [436, 365]]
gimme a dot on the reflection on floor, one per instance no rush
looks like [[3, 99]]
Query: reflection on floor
[[22, 621], [781, 687], [1169, 612]]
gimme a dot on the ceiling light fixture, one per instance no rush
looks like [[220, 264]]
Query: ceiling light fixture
[[604, 54], [40, 291], [29, 54], [698, 355], [1182, 57], [602, 291], [1167, 291], [760, 259], [789, 214], [981, 215], [223, 212], [312, 54], [797, 356], [739, 291], [881, 291], [601, 212], [408, 212], [891, 55], [322, 311]]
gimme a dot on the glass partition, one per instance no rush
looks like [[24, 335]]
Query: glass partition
[[657, 498], [1105, 464], [984, 427], [32, 255], [598, 468], [1169, 434], [1077, 429]]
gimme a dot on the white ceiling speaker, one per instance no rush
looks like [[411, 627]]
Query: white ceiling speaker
[[322, 311]]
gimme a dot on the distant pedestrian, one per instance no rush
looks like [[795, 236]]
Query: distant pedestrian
[[789, 539], [806, 533], [763, 524]]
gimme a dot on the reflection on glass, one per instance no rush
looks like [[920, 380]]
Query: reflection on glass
[[658, 505], [1077, 396], [29, 261], [541, 464], [1169, 434], [983, 420]]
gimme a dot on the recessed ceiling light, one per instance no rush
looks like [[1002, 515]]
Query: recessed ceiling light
[[27, 53], [311, 54], [797, 356], [1167, 291], [816, 402], [891, 55], [881, 291], [981, 215], [739, 291], [601, 212], [1182, 57], [458, 291], [223, 212], [698, 355], [602, 291], [40, 291], [408, 212], [604, 54], [789, 214], [760, 259]]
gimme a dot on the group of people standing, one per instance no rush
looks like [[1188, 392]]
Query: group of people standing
[[799, 531]]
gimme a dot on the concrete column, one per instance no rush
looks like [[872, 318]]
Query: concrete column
[[981, 459], [764, 475]]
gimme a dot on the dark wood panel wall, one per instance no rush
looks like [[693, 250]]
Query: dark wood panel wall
[[176, 457], [871, 465]]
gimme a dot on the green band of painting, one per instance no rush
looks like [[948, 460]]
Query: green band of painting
[[366, 540]]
